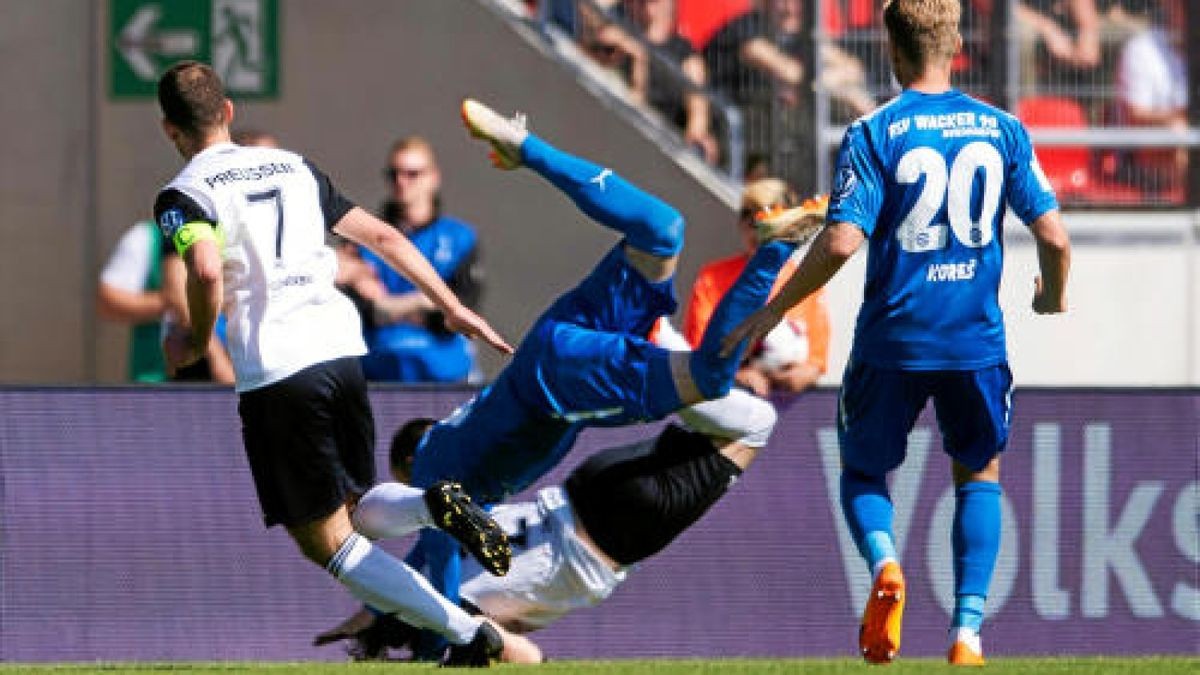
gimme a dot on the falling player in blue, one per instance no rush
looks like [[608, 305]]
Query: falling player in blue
[[926, 180], [585, 362]]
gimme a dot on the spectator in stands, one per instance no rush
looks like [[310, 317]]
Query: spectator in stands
[[651, 81], [762, 60], [407, 338], [1060, 43], [762, 51], [254, 137], [792, 359], [1152, 91], [130, 291]]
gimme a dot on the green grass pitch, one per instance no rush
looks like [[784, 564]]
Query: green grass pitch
[[1164, 665]]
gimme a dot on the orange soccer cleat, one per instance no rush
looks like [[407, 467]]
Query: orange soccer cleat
[[879, 635], [966, 650], [796, 224]]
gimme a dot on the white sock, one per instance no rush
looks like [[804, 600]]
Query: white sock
[[389, 585], [879, 565], [391, 510], [739, 415], [963, 634]]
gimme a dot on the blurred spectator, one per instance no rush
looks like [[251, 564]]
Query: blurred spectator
[[130, 291], [1060, 43], [254, 137], [406, 337], [653, 83], [793, 355], [759, 60], [762, 51], [1152, 91]]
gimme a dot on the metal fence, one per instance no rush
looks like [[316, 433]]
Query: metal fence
[[1102, 85]]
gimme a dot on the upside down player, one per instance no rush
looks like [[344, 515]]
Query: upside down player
[[250, 224], [584, 362], [576, 543], [926, 179]]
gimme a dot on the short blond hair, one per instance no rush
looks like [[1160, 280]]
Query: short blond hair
[[767, 193], [414, 143], [923, 31]]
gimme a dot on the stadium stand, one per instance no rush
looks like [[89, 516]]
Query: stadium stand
[[1056, 69]]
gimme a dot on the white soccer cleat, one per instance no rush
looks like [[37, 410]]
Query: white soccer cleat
[[505, 135]]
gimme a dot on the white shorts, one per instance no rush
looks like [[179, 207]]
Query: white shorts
[[552, 573]]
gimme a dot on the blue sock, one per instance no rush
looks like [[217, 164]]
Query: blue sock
[[713, 374], [968, 612], [867, 507], [976, 543], [648, 223]]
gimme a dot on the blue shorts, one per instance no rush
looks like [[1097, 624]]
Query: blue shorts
[[587, 360], [878, 407], [584, 363]]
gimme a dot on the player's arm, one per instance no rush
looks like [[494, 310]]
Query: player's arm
[[397, 251], [1054, 262], [828, 253], [193, 233], [118, 304]]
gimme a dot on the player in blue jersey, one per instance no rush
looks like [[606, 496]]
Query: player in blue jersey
[[926, 180], [585, 362]]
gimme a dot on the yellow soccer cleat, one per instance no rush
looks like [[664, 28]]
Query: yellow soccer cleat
[[879, 635], [505, 135], [797, 224]]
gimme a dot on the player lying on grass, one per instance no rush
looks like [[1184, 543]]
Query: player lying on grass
[[575, 543], [584, 362]]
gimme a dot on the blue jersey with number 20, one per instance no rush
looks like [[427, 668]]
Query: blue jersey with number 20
[[928, 178]]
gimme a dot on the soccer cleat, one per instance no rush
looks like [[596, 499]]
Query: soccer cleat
[[454, 512], [966, 650], [505, 135], [797, 224], [480, 652], [879, 635]]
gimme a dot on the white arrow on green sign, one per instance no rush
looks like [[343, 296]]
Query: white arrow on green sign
[[240, 38]]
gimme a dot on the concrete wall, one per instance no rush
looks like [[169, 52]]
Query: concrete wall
[[78, 169]]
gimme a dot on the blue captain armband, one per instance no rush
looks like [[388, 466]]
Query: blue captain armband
[[189, 234]]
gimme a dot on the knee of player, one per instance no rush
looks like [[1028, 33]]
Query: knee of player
[[369, 517], [760, 419], [667, 229]]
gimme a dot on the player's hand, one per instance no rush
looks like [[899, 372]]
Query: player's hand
[[1046, 303], [463, 320], [755, 380], [347, 629], [752, 329], [179, 349]]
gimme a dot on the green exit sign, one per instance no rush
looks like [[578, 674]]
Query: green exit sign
[[239, 38]]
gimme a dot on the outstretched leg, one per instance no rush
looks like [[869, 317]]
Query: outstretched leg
[[652, 228]]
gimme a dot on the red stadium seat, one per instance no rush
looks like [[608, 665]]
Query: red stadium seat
[[1069, 168]]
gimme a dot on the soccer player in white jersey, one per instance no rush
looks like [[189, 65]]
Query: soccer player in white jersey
[[927, 179], [577, 542], [250, 224]]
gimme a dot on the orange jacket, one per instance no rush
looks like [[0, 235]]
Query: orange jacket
[[717, 277]]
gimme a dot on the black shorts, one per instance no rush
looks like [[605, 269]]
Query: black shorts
[[634, 500], [310, 440]]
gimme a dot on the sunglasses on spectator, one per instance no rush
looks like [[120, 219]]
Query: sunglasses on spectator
[[392, 172]]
